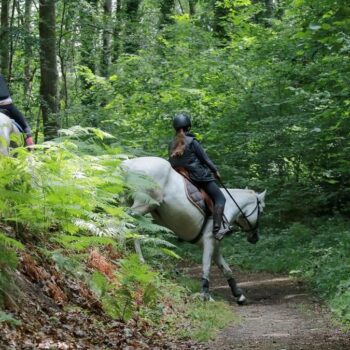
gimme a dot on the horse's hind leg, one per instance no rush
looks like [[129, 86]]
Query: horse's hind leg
[[227, 272]]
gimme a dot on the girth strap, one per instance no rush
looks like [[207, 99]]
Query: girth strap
[[200, 234]]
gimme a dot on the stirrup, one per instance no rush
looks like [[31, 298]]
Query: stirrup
[[222, 232]]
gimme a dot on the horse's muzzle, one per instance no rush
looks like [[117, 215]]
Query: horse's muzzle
[[253, 237]]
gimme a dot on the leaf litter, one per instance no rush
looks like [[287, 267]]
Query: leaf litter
[[57, 311]]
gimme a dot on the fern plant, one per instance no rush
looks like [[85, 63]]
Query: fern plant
[[8, 263], [60, 188], [136, 288], [76, 198]]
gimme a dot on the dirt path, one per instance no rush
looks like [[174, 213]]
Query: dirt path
[[280, 314]]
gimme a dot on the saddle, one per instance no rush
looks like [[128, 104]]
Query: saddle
[[196, 195]]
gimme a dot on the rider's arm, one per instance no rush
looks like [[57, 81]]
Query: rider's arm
[[202, 156]]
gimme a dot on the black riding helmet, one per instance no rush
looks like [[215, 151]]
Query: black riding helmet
[[182, 121]]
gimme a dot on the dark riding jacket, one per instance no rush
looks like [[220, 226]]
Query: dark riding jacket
[[194, 160], [10, 109]]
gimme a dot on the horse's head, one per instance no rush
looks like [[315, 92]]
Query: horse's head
[[250, 214]]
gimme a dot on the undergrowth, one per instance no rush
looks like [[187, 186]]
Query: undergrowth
[[67, 201]]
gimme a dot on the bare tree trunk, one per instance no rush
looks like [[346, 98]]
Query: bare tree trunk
[[106, 38], [48, 68], [130, 37], [166, 8], [12, 43], [192, 7], [88, 37], [117, 31], [220, 21], [28, 52], [4, 38], [270, 6], [61, 57]]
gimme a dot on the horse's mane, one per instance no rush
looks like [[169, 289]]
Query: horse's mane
[[251, 192], [245, 190]]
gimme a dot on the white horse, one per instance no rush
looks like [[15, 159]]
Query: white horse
[[7, 127], [171, 208]]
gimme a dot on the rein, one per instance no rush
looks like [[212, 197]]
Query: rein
[[251, 228], [256, 207]]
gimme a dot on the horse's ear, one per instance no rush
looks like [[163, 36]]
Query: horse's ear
[[261, 196]]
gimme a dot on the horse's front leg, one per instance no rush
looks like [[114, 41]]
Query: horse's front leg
[[227, 272], [208, 250], [139, 209]]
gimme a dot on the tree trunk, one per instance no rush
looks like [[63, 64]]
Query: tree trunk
[[88, 38], [130, 38], [28, 52], [12, 42], [219, 23], [117, 31], [192, 7], [166, 8], [106, 38], [4, 38], [48, 68], [61, 56], [270, 6]]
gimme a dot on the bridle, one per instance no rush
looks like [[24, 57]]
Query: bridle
[[245, 217], [257, 207]]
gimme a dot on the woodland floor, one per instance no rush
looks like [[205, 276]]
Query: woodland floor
[[59, 312], [280, 314]]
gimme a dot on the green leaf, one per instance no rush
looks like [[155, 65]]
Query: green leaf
[[99, 284], [8, 318]]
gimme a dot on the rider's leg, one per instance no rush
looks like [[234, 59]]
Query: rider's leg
[[219, 200]]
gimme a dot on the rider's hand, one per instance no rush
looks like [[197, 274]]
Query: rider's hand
[[29, 142]]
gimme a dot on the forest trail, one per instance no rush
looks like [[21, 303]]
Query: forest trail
[[280, 314]]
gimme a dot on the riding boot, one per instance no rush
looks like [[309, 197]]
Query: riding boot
[[219, 231]]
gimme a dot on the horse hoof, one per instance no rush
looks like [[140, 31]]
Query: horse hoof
[[241, 300]]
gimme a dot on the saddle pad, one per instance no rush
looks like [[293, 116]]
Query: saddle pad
[[195, 196]]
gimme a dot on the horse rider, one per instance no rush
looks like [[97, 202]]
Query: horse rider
[[186, 152], [11, 110]]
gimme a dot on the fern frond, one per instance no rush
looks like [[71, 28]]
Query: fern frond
[[79, 243], [10, 242], [156, 242], [145, 223], [171, 253], [8, 318]]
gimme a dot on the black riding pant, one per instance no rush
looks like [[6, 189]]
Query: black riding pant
[[214, 193], [15, 114]]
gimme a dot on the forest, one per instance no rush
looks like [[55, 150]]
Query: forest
[[267, 86]]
